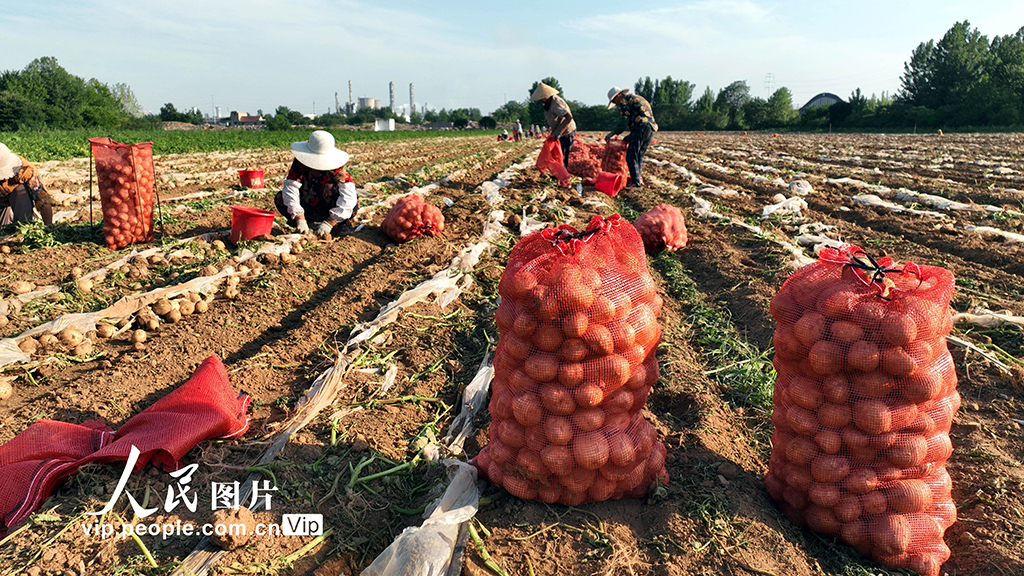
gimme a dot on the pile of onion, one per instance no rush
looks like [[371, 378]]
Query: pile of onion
[[614, 159], [411, 217], [574, 365], [582, 160], [863, 403]]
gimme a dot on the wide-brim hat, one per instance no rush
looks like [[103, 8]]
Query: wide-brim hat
[[542, 91], [615, 91], [319, 152], [10, 163]]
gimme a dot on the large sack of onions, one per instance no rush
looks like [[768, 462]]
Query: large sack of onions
[[582, 161], [411, 217], [864, 399], [124, 175], [614, 159], [662, 228], [575, 362]]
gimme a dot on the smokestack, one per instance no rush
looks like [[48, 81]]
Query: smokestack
[[412, 100], [350, 109], [391, 92]]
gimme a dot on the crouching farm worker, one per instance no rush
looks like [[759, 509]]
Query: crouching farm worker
[[641, 125], [21, 192], [558, 116], [317, 193]]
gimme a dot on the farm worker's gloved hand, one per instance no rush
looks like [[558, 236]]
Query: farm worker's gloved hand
[[302, 227], [324, 229]]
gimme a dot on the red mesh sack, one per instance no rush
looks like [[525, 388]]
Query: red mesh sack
[[124, 174], [582, 161], [614, 158], [575, 362], [863, 403], [411, 217], [551, 160], [662, 228]]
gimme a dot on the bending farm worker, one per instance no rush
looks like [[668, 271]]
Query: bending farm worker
[[641, 125], [21, 192], [558, 116], [517, 131], [317, 192]]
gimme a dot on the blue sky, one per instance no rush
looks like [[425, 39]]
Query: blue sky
[[259, 54]]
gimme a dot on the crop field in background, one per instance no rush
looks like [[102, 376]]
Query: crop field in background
[[359, 462]]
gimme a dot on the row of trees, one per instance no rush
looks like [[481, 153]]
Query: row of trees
[[44, 95]]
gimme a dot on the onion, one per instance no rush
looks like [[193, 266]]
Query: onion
[[826, 495], [599, 339], [519, 382], [530, 462], [547, 338], [922, 386], [621, 450], [829, 468], [860, 481], [574, 350], [575, 324], [549, 493], [873, 502], [612, 371], [837, 302], [524, 324], [787, 346], [801, 421], [623, 334], [521, 283], [848, 508], [541, 367], [875, 384], [845, 332], [511, 434], [784, 308], [835, 388], [620, 401], [570, 374], [601, 310], [897, 361], [520, 487], [799, 477], [940, 448], [601, 489], [868, 314]]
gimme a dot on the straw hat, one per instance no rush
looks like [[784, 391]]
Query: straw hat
[[615, 91], [10, 163], [319, 152], [542, 91]]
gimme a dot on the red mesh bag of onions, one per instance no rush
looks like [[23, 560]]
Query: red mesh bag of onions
[[124, 174], [575, 362], [863, 403], [581, 161], [614, 159], [411, 217], [662, 228]]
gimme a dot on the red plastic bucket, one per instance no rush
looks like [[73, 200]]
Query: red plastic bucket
[[248, 223], [251, 178], [609, 182]]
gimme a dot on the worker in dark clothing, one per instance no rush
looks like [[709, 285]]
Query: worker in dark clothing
[[641, 125]]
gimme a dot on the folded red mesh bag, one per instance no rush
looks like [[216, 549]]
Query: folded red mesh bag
[[662, 228], [863, 403], [48, 452], [575, 362], [124, 174], [552, 161], [614, 159], [411, 217]]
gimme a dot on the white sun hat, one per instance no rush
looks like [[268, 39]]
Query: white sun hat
[[615, 91], [319, 152], [542, 91], [10, 163]]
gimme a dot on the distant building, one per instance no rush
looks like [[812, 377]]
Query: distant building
[[823, 99], [369, 103], [384, 125], [438, 125], [244, 120]]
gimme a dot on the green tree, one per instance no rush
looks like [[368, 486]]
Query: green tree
[[780, 108], [488, 123], [512, 111], [757, 113], [731, 100], [168, 113], [536, 108], [706, 116]]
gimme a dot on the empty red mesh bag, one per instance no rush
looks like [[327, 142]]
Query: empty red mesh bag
[[551, 160], [614, 158], [662, 228], [575, 362], [124, 175], [411, 217], [863, 403], [582, 161]]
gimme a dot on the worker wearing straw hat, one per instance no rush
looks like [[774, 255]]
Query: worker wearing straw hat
[[641, 124], [558, 116], [317, 191], [21, 192]]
